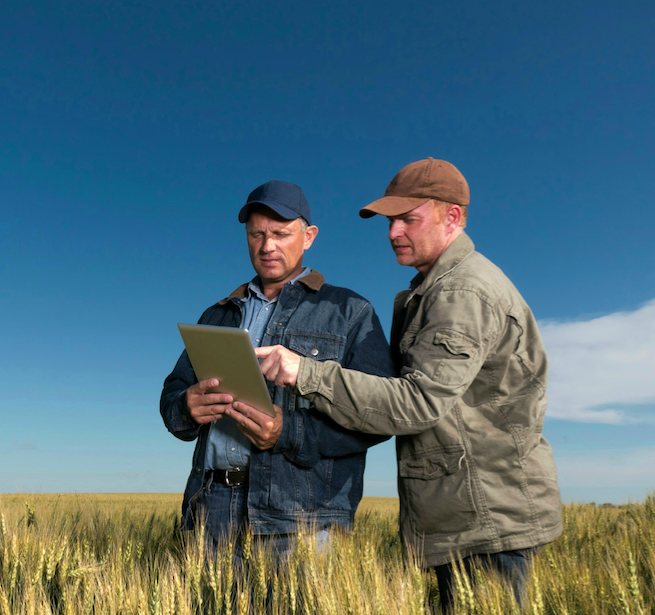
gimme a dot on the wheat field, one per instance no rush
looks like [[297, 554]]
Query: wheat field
[[123, 554]]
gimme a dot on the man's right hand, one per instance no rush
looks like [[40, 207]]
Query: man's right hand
[[205, 406], [280, 365]]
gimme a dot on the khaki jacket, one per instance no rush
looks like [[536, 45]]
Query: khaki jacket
[[475, 474]]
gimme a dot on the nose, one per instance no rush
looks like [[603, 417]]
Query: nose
[[268, 245], [395, 229]]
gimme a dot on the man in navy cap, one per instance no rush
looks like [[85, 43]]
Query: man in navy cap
[[299, 468]]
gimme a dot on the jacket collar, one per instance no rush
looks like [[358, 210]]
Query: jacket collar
[[313, 281], [452, 256]]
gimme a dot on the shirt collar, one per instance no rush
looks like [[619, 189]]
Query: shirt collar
[[254, 289]]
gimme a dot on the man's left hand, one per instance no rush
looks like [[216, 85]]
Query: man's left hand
[[260, 428]]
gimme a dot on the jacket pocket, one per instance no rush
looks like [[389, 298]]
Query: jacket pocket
[[437, 489], [456, 353], [296, 489], [315, 346]]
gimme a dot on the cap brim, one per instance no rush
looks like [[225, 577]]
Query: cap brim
[[392, 206], [281, 210]]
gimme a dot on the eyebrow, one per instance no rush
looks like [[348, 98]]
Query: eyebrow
[[401, 216]]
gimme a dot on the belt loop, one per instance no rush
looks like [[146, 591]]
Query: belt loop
[[208, 481]]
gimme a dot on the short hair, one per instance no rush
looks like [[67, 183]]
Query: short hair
[[441, 206]]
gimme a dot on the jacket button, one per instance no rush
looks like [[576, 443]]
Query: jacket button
[[314, 352], [198, 470]]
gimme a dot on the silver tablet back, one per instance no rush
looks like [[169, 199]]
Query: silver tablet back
[[227, 353]]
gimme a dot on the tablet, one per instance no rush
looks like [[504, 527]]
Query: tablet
[[227, 353]]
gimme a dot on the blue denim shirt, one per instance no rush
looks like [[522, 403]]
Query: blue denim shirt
[[227, 445], [315, 472]]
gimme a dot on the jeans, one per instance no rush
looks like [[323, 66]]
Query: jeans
[[224, 510], [514, 566]]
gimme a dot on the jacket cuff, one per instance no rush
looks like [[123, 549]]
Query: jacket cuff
[[181, 419], [310, 373]]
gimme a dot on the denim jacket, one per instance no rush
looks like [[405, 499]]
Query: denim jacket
[[314, 474]]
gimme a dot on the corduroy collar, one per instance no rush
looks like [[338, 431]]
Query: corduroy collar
[[313, 280]]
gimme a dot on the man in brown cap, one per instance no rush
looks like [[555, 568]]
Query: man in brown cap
[[477, 480]]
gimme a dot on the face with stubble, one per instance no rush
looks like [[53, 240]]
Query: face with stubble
[[276, 246], [421, 235]]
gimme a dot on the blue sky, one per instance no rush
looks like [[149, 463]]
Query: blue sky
[[132, 133]]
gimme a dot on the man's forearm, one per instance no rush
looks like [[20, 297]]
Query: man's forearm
[[389, 406], [440, 365]]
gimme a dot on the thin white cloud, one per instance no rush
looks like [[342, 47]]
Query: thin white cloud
[[611, 475], [628, 468], [601, 366]]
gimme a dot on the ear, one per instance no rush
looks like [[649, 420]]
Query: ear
[[310, 235], [452, 217]]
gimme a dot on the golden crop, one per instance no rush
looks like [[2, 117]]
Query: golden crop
[[109, 554]]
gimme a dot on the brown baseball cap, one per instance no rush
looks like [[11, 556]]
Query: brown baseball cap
[[417, 183]]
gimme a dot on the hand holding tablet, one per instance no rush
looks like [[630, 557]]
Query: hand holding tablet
[[227, 354]]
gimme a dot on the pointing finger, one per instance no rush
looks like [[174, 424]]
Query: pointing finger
[[263, 351]]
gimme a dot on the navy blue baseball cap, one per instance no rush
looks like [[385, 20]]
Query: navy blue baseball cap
[[285, 199]]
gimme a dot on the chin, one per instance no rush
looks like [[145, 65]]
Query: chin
[[266, 271]]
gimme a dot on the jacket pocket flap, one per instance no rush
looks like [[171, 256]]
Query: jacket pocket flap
[[318, 348], [432, 465], [456, 343]]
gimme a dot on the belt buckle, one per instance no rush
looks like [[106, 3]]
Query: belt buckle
[[227, 477]]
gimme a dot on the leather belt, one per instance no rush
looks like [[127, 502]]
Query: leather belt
[[230, 478]]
